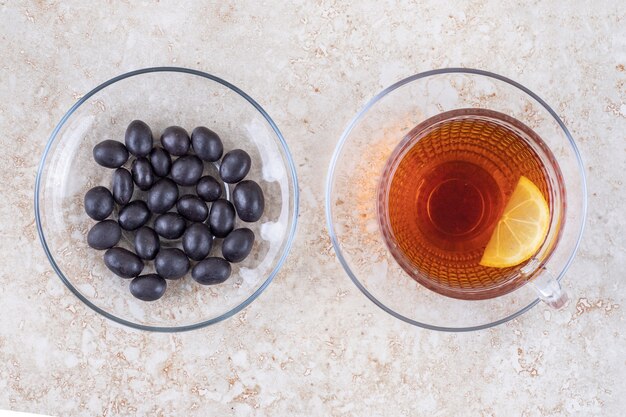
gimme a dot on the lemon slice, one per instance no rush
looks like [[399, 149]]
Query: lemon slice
[[521, 230]]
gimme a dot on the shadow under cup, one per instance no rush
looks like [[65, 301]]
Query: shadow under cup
[[445, 186]]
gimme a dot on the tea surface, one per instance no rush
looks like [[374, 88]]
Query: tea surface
[[449, 184]]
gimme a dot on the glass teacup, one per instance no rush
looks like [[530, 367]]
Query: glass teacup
[[371, 152]]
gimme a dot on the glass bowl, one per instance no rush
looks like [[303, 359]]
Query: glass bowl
[[162, 97], [355, 173]]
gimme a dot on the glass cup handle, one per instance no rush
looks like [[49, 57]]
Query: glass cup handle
[[549, 289]]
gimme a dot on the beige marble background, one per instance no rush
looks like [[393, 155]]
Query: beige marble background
[[312, 344]]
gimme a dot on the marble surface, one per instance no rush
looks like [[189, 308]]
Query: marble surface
[[312, 344]]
